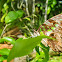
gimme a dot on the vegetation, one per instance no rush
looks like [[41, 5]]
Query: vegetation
[[25, 16]]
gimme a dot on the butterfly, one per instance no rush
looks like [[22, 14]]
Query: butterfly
[[53, 28]]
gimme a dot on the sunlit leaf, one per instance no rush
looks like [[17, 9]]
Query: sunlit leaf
[[5, 6], [2, 19], [4, 51], [53, 3], [38, 5], [9, 39], [11, 16], [1, 58], [27, 18], [48, 10], [25, 46], [46, 52], [1, 41], [20, 13], [37, 49], [41, 8]]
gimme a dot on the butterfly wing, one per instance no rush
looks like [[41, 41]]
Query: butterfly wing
[[53, 28]]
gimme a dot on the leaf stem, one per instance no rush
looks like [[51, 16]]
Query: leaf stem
[[4, 30]]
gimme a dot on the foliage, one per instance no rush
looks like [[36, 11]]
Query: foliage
[[11, 13], [5, 52], [27, 45], [7, 39], [44, 54]]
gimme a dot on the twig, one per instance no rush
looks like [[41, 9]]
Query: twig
[[12, 5], [46, 10], [29, 31], [27, 7], [4, 30], [19, 6], [33, 10]]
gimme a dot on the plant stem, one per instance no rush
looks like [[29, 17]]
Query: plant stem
[[46, 10], [4, 30], [12, 5], [27, 7], [33, 10]]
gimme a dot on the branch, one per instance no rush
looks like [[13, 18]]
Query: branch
[[12, 5], [29, 30], [33, 10], [4, 30], [46, 10], [20, 6], [27, 7]]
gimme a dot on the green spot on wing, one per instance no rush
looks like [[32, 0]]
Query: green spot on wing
[[43, 26], [41, 33], [47, 26], [56, 25], [60, 19], [53, 28], [57, 17], [49, 30]]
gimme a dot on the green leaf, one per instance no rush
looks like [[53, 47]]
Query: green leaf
[[27, 19], [20, 13], [48, 10], [2, 19], [41, 8], [1, 58], [46, 51], [46, 55], [1, 41], [41, 33], [4, 51], [1, 4], [5, 6], [53, 3], [25, 46], [38, 57], [37, 49], [38, 5], [11, 16], [1, 30], [8, 39]]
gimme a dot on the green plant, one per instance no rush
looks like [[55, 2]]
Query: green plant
[[27, 45], [5, 52]]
